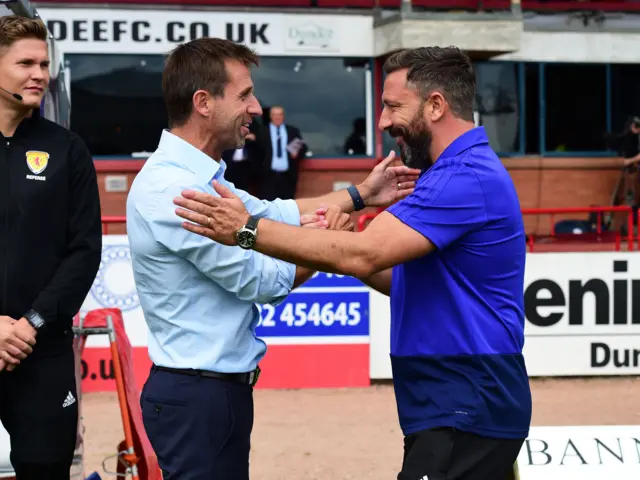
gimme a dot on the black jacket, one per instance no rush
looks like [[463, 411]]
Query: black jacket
[[50, 225]]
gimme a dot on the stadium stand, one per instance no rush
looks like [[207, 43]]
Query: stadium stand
[[421, 5]]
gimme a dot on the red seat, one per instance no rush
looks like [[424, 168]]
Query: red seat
[[221, 3], [359, 3], [246, 3], [448, 4]]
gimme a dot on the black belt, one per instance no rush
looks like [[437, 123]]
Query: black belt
[[248, 378]]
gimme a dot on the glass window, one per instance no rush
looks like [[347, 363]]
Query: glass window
[[117, 105], [116, 102], [576, 107], [323, 97], [532, 108], [625, 95], [497, 104], [496, 107]]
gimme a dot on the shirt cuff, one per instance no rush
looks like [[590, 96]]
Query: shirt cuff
[[289, 211]]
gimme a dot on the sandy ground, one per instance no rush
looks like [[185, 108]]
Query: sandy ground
[[353, 433]]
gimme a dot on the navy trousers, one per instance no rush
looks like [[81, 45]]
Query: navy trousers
[[199, 427]]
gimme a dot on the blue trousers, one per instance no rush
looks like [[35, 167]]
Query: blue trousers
[[199, 427]]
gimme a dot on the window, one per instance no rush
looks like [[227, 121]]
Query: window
[[532, 108], [497, 104], [116, 102], [323, 97], [625, 95], [576, 107], [117, 105]]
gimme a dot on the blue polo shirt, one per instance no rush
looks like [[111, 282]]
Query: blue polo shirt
[[457, 314]]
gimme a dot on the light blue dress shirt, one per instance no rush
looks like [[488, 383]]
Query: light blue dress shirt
[[279, 163], [198, 296]]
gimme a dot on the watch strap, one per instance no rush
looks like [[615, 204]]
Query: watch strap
[[35, 319], [252, 223], [358, 202]]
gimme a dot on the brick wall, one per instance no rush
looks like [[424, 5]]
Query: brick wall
[[540, 182]]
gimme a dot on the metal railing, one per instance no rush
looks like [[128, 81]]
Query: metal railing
[[110, 220], [601, 234]]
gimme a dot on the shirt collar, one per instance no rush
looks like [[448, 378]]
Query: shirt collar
[[27, 124], [473, 138], [183, 153]]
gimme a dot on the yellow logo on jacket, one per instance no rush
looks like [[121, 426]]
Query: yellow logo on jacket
[[37, 161]]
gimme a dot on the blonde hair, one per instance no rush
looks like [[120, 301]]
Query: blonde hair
[[14, 28]]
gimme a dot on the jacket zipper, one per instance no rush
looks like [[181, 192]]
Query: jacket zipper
[[6, 232]]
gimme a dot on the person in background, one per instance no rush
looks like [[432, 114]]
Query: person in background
[[283, 150], [51, 240], [242, 163], [356, 142]]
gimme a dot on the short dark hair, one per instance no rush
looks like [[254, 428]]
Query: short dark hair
[[446, 69], [199, 65], [14, 28]]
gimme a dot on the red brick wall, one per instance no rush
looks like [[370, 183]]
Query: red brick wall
[[540, 182]]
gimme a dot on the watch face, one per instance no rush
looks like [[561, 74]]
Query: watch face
[[246, 239]]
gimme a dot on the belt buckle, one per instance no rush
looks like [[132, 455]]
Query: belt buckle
[[253, 376]]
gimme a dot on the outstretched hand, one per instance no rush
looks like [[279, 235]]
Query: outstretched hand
[[217, 218], [387, 184]]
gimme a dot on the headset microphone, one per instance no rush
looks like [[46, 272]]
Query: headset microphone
[[14, 95]]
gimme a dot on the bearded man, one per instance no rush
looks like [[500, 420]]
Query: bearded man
[[451, 256]]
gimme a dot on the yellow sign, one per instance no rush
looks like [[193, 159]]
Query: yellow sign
[[37, 161]]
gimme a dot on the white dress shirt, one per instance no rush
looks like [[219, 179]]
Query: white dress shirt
[[198, 296]]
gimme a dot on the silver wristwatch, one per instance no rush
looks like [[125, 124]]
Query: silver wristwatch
[[247, 235]]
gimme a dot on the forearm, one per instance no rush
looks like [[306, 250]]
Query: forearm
[[323, 250], [302, 275], [380, 281], [341, 198], [67, 290]]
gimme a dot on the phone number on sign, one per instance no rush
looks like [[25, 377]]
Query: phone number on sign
[[317, 314]]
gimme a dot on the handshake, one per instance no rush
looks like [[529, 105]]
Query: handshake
[[17, 338], [328, 218]]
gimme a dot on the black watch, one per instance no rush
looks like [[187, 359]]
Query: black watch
[[34, 319], [247, 235]]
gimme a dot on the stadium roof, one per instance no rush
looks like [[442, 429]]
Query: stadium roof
[[18, 7]]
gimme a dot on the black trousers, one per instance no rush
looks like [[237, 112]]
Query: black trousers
[[199, 428], [39, 410], [450, 454]]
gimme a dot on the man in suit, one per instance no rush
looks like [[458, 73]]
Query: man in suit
[[280, 166], [244, 162]]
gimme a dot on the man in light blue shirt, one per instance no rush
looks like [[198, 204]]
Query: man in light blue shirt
[[199, 297], [205, 316]]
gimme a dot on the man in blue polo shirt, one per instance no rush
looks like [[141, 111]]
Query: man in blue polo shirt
[[451, 256]]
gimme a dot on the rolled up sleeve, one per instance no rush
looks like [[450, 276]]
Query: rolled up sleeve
[[251, 275]]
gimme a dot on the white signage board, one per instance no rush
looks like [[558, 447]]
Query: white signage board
[[583, 313], [147, 31], [582, 316], [581, 453]]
